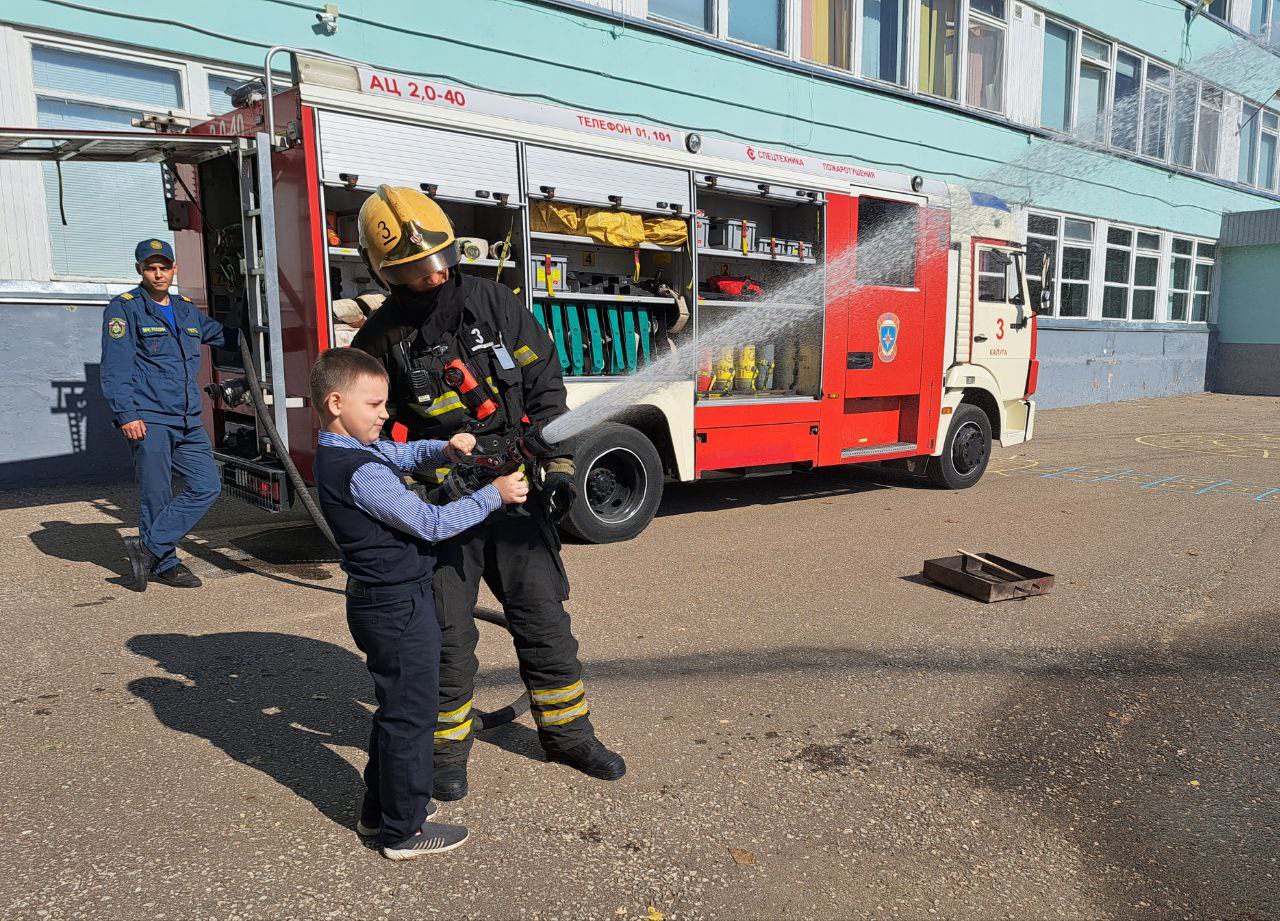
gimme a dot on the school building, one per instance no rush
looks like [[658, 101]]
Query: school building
[[1121, 132]]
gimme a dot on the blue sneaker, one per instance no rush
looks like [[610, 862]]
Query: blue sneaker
[[434, 838]]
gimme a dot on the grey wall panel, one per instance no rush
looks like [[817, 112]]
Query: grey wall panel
[[1080, 366], [1247, 368], [57, 428]]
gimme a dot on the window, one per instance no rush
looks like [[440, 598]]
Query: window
[[1059, 76], [1077, 265], [1155, 112], [826, 32], [1116, 278], [109, 207], [1250, 125], [1042, 255], [1208, 129], [1218, 9], [1185, 99], [1126, 110], [997, 282], [1180, 279], [1146, 276], [1095, 79], [220, 88], [1268, 144], [758, 22], [939, 33], [1205, 254], [985, 56], [1264, 18], [884, 40], [696, 13], [888, 232]]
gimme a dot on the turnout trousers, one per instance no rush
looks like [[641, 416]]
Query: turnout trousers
[[518, 557], [395, 626]]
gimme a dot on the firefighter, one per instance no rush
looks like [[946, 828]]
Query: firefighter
[[437, 316], [151, 345]]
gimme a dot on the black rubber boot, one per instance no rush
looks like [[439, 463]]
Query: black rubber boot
[[450, 782], [589, 757]]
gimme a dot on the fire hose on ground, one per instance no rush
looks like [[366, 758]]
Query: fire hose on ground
[[483, 719]]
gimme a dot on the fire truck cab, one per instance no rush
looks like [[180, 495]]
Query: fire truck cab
[[755, 309]]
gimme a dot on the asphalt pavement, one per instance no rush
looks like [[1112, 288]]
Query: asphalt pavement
[[812, 730]]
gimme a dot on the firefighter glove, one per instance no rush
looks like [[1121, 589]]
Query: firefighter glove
[[559, 487]]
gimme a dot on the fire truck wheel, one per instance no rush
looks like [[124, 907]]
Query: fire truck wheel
[[965, 452], [619, 475]]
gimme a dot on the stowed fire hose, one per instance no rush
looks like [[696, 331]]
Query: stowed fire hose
[[484, 466]]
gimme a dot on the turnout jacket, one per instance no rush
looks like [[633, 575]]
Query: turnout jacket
[[151, 370], [485, 324]]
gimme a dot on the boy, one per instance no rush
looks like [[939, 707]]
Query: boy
[[384, 534]]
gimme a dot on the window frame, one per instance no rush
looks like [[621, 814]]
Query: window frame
[[968, 16], [186, 81], [785, 12]]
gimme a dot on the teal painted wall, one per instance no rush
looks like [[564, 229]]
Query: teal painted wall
[[1248, 306], [593, 62]]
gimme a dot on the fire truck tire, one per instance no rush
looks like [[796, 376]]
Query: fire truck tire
[[965, 452], [619, 477]]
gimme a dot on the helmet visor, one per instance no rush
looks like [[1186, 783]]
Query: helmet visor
[[404, 272]]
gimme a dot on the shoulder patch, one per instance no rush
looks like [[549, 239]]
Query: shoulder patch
[[126, 296], [193, 330], [116, 327]]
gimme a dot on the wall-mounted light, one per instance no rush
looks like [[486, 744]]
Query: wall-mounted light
[[548, 190], [482, 193], [615, 200], [502, 198], [917, 183], [350, 180], [430, 188], [693, 142], [764, 188]]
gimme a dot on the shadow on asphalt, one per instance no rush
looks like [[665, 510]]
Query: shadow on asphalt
[[742, 492], [278, 702]]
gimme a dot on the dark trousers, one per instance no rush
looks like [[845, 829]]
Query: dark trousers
[[519, 559], [397, 630], [166, 519]]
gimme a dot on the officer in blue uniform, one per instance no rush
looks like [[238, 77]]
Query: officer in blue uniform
[[151, 342]]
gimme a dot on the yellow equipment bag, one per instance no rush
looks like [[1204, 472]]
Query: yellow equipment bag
[[616, 228], [666, 231], [554, 217]]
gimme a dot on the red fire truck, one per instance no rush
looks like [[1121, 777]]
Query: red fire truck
[[911, 338]]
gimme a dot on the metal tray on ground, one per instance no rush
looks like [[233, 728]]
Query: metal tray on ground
[[970, 577]]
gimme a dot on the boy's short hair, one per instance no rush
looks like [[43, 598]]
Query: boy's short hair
[[337, 370]]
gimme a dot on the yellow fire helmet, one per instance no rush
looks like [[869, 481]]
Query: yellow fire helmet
[[404, 235]]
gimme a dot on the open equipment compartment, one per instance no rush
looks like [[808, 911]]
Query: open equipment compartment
[[761, 253], [474, 179], [610, 265]]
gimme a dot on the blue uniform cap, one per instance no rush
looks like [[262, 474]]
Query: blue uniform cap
[[148, 248]]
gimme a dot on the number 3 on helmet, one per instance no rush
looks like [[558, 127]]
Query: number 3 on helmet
[[404, 235]]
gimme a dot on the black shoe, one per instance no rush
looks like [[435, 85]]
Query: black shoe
[[450, 782], [591, 758], [370, 822], [141, 560], [435, 838], [178, 577]]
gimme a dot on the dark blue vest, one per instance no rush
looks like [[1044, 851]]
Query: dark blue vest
[[371, 551]]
